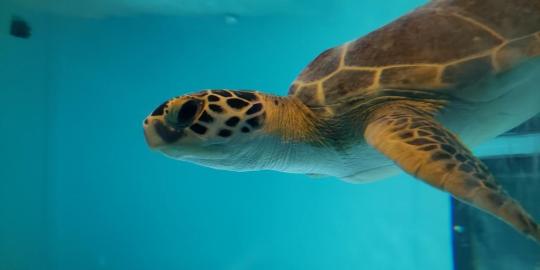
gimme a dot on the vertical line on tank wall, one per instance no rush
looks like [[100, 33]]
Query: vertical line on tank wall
[[47, 196], [461, 237], [51, 193]]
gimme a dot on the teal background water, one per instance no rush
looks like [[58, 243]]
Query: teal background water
[[79, 189]]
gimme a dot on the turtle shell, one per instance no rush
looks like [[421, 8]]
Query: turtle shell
[[445, 44]]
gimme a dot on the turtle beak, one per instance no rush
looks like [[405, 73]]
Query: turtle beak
[[162, 128], [157, 134], [150, 134]]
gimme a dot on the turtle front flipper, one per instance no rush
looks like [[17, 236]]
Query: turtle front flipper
[[425, 149]]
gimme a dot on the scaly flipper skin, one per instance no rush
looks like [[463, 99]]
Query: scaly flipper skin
[[425, 149]]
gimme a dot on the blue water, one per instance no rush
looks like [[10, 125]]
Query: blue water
[[79, 189]]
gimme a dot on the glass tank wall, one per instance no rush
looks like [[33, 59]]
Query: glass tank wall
[[79, 188]]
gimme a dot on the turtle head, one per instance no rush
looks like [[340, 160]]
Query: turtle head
[[215, 128]]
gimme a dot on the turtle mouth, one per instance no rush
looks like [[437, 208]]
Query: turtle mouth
[[157, 134], [167, 134]]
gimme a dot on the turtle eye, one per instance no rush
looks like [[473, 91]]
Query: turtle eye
[[188, 111]]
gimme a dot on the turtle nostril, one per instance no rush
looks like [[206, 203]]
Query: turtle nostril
[[187, 112]]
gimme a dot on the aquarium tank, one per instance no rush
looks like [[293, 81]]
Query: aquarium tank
[[80, 189]]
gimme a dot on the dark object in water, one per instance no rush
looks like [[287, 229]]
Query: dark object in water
[[531, 126], [20, 28]]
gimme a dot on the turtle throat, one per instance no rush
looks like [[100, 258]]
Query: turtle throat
[[289, 135], [292, 121]]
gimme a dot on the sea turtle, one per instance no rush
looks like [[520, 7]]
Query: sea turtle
[[414, 94]]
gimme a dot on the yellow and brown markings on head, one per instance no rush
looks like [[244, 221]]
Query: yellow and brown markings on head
[[440, 47], [228, 112], [208, 114]]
